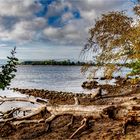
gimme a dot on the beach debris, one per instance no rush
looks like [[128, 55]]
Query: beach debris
[[90, 84]]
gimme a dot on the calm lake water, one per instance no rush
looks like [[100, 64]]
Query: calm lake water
[[60, 78]]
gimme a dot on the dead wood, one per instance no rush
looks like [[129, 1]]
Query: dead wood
[[83, 125], [71, 121], [77, 110], [128, 112]]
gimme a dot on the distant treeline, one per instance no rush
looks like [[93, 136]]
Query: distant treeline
[[54, 62], [68, 63]]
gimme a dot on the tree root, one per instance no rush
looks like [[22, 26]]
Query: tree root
[[9, 114], [128, 110], [83, 125], [28, 122], [71, 122]]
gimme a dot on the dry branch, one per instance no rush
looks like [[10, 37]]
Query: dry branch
[[128, 112], [83, 125]]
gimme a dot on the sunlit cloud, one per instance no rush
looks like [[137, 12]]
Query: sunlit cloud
[[52, 22]]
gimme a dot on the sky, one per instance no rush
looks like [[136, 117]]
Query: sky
[[50, 29]]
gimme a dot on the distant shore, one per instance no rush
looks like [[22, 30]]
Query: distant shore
[[54, 62], [69, 63]]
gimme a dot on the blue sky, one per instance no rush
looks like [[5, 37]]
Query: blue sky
[[50, 29]]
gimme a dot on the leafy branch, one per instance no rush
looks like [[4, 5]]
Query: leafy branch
[[8, 70]]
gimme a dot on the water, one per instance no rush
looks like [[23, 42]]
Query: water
[[59, 78]]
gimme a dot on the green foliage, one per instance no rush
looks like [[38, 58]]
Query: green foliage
[[135, 68], [53, 62], [8, 70]]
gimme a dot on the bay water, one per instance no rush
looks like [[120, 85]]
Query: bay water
[[56, 78]]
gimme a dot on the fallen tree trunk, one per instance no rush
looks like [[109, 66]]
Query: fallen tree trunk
[[127, 112], [96, 111]]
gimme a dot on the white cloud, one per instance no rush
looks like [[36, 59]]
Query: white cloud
[[52, 33], [23, 30], [72, 33], [33, 24], [76, 31], [57, 7], [20, 8], [88, 5], [19, 23], [89, 17]]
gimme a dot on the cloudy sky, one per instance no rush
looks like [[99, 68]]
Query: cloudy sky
[[50, 29]]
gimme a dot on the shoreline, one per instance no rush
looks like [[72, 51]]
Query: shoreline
[[60, 128], [62, 97]]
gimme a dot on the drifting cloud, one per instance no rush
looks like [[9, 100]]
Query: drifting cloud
[[18, 21], [64, 22], [18, 8], [70, 34]]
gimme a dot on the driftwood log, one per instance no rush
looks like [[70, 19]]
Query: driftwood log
[[128, 112]]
